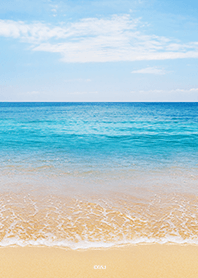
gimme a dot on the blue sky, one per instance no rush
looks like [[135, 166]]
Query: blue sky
[[141, 50]]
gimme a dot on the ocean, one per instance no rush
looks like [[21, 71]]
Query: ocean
[[83, 175]]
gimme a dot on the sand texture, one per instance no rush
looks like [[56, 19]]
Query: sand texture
[[141, 261]]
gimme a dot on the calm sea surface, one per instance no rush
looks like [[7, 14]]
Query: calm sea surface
[[98, 174]]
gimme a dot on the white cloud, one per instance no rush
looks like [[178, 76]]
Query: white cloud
[[194, 90], [118, 38], [171, 91], [150, 70], [164, 95]]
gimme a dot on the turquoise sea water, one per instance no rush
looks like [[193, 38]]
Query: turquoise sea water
[[118, 153]]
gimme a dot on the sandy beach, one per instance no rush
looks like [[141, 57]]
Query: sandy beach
[[95, 175], [140, 261]]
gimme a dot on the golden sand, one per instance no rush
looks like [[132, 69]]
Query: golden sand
[[140, 261]]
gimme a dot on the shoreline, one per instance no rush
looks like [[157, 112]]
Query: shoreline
[[137, 261]]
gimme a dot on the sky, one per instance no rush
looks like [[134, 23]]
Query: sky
[[96, 50]]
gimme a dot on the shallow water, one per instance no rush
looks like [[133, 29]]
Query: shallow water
[[97, 174]]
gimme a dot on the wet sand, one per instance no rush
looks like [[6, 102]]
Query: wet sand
[[139, 261]]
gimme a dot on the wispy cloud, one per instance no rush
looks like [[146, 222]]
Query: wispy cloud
[[171, 91], [150, 70], [175, 95], [118, 38], [83, 93]]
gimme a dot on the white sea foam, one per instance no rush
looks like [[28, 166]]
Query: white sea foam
[[100, 244]]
